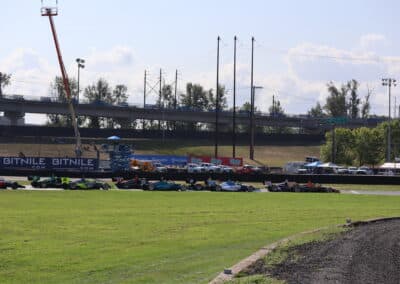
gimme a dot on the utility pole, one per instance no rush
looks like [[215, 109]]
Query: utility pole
[[389, 82], [176, 91], [144, 96], [252, 102], [333, 144], [81, 64], [253, 124], [160, 94], [234, 101], [176, 88], [273, 105], [217, 102]]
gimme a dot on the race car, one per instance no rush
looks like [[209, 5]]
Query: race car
[[134, 183], [208, 184], [88, 184], [232, 186], [51, 182], [4, 184], [295, 187], [163, 186]]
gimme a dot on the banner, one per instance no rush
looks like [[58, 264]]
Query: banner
[[232, 162], [47, 163], [165, 160]]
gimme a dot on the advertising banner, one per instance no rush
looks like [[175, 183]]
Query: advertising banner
[[232, 162], [166, 160], [47, 163]]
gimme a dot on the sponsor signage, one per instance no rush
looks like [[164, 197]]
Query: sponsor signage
[[166, 160], [232, 162], [48, 163]]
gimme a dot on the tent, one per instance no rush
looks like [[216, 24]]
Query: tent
[[328, 165], [114, 138], [313, 164]]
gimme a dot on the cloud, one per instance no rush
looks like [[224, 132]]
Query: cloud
[[30, 72], [308, 67], [369, 41], [118, 57]]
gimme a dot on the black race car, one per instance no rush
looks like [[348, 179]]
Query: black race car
[[295, 187], [134, 183], [4, 184]]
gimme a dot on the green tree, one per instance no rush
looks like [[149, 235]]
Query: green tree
[[368, 147], [276, 109], [336, 102], [316, 111], [5, 80], [344, 142], [366, 106], [99, 92], [212, 103], [57, 92], [120, 97], [354, 101]]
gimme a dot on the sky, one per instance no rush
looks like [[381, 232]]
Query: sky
[[300, 46]]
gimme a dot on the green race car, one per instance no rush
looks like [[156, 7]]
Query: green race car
[[88, 184], [51, 182]]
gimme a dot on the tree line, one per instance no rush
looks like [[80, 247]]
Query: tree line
[[361, 146], [343, 101]]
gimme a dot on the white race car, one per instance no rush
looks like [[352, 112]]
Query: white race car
[[232, 186]]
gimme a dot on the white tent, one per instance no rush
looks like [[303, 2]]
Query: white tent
[[328, 165], [392, 166]]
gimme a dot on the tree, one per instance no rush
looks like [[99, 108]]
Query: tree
[[99, 93], [344, 142], [336, 102], [4, 81], [222, 99], [57, 91], [354, 101], [368, 146], [120, 97], [366, 106], [276, 109], [316, 111], [196, 99]]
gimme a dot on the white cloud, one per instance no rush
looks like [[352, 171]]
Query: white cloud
[[308, 69], [369, 41]]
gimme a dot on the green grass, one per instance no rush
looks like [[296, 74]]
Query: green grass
[[155, 237]]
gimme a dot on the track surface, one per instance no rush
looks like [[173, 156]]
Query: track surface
[[366, 254]]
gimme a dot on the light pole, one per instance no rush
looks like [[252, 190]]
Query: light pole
[[217, 103], [81, 64], [389, 82], [252, 123]]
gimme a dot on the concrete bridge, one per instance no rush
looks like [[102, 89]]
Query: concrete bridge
[[15, 108]]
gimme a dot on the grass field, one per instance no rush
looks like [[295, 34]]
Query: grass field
[[155, 237], [266, 155]]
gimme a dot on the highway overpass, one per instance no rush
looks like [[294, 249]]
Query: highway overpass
[[15, 108]]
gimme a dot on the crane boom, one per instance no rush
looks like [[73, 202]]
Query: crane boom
[[50, 12]]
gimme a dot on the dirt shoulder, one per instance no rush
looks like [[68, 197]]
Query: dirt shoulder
[[365, 254]]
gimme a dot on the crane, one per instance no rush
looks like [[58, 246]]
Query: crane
[[50, 12]]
